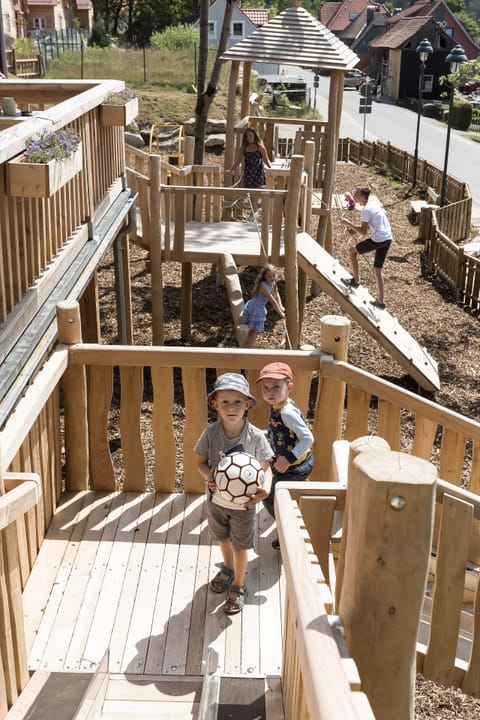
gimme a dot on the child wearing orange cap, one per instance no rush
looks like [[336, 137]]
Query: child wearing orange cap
[[289, 435]]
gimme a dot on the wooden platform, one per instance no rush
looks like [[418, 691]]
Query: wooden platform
[[129, 573]]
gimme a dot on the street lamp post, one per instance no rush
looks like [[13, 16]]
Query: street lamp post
[[456, 57], [423, 50]]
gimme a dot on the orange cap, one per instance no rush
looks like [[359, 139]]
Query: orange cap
[[276, 371]]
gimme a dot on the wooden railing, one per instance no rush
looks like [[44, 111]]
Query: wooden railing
[[51, 245], [408, 422]]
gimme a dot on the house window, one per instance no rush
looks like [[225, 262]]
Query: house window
[[39, 23], [237, 29], [6, 23], [353, 15], [427, 83], [212, 30]]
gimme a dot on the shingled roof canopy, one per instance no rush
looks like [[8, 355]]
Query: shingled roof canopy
[[294, 37]]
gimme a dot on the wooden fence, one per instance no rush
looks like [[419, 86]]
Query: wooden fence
[[442, 229]]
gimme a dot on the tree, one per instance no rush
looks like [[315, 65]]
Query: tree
[[206, 92]]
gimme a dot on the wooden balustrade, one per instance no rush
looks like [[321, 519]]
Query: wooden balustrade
[[31, 442]]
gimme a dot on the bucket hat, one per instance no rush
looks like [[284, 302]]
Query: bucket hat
[[232, 381]]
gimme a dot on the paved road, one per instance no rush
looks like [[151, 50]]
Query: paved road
[[388, 122]]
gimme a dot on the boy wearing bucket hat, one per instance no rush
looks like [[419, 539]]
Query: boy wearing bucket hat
[[289, 435], [234, 529]]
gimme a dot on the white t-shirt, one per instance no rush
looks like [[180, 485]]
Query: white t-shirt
[[374, 214]]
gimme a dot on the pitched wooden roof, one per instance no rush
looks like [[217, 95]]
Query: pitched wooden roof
[[400, 33], [294, 37]]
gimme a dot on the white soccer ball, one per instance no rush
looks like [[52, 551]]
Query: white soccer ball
[[237, 477]]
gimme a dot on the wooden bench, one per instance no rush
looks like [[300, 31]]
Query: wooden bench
[[416, 206]]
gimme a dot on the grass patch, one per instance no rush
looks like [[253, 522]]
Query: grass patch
[[161, 77]]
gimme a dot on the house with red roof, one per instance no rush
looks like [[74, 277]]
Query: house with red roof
[[397, 62], [337, 16], [446, 19]]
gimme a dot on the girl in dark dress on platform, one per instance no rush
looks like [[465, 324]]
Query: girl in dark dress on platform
[[253, 155]]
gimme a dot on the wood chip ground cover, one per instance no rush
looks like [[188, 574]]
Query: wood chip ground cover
[[421, 304]]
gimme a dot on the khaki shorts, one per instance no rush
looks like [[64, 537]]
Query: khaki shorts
[[237, 525]]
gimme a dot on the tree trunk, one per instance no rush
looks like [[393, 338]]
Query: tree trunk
[[206, 95]]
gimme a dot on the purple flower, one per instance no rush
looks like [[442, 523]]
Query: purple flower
[[59, 145]]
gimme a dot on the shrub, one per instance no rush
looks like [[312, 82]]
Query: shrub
[[461, 115], [98, 36], [175, 37], [26, 47]]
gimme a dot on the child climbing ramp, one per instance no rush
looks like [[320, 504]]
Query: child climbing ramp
[[255, 311]]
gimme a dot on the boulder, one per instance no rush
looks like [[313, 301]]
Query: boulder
[[214, 127], [134, 139], [215, 141]]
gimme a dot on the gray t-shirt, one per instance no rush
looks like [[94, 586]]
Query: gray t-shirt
[[214, 444]]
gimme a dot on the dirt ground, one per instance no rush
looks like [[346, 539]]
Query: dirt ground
[[421, 304]]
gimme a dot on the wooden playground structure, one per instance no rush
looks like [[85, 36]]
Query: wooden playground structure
[[104, 569]]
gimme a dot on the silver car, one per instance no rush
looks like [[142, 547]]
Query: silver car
[[353, 79]]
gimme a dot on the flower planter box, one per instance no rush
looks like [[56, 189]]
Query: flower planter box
[[119, 114], [41, 180]]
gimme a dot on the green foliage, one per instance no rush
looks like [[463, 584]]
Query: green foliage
[[470, 24], [26, 47], [175, 37], [468, 72], [461, 115], [98, 36], [121, 97]]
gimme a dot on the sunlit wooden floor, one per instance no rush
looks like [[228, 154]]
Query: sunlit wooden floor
[[129, 573]]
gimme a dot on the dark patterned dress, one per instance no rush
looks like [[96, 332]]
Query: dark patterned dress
[[253, 169]]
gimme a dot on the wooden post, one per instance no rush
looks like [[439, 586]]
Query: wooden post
[[366, 443], [331, 396], [186, 302], [290, 240], [230, 129], [188, 149], [247, 75], [334, 108], [390, 520], [74, 401], [156, 251]]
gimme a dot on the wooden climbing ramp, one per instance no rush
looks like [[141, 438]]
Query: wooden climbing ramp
[[327, 272]]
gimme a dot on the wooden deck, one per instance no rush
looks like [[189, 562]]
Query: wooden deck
[[129, 573]]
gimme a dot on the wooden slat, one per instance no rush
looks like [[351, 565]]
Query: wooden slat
[[158, 635], [176, 645], [74, 588], [113, 505], [162, 429], [425, 430], [99, 399], [139, 590], [357, 418], [195, 404], [131, 438], [389, 423], [452, 455], [448, 594]]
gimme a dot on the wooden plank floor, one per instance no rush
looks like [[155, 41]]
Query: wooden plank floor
[[130, 572]]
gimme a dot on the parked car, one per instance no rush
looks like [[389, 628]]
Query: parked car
[[353, 79]]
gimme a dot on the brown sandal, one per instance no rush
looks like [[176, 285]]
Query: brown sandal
[[233, 604], [222, 580]]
